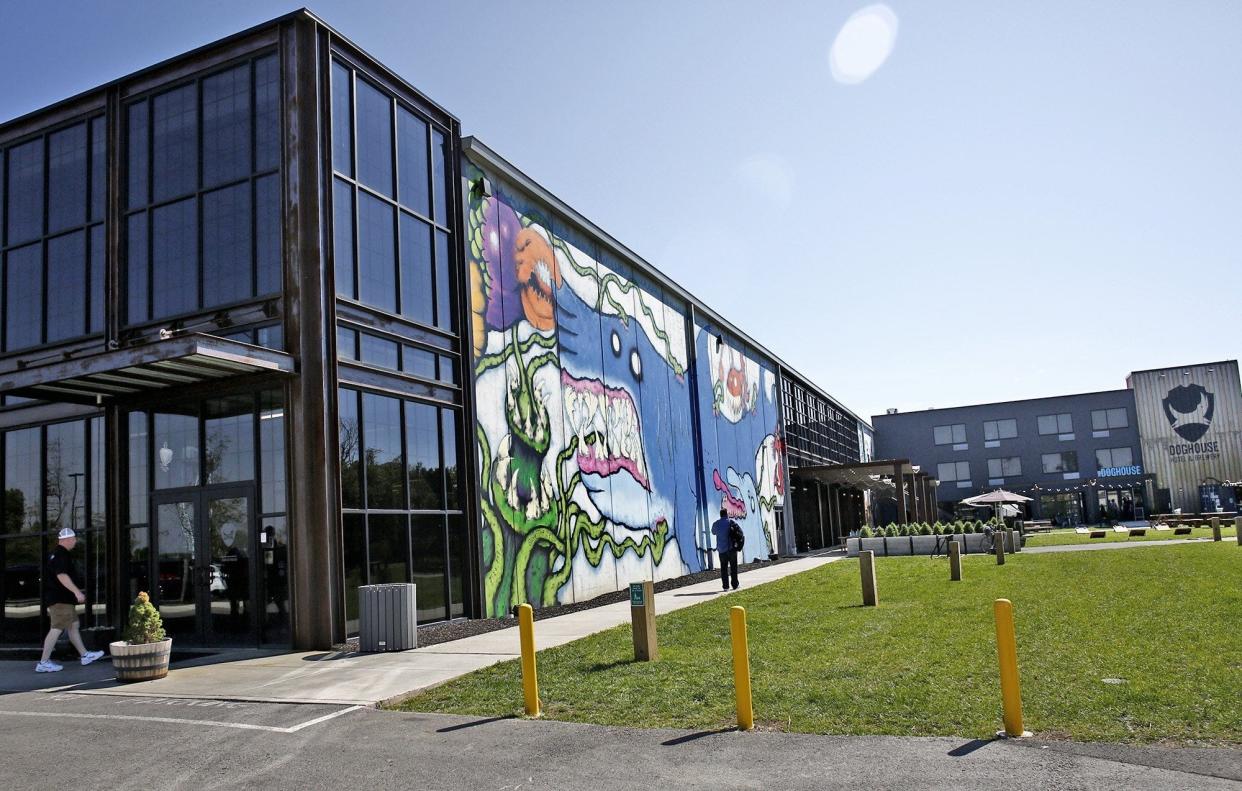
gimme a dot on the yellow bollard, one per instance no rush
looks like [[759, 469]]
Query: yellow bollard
[[741, 669], [530, 681], [1007, 651]]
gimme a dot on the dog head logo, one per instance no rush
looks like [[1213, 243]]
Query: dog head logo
[[1189, 409]]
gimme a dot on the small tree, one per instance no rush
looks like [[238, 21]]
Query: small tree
[[145, 624]]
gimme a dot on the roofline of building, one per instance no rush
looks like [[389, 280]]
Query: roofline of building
[[487, 157], [1003, 403], [1172, 367], [299, 14]]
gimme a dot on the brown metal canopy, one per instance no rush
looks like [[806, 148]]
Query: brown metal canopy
[[867, 475], [186, 360]]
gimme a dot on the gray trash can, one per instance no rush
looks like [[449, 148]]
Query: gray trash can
[[387, 619]]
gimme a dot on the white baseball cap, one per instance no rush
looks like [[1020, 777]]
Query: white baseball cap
[[66, 532]]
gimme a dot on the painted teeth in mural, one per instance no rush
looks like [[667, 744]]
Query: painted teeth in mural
[[585, 432]]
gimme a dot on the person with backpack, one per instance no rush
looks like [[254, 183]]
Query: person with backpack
[[729, 542]]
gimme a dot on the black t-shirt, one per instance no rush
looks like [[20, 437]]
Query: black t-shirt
[[60, 562]]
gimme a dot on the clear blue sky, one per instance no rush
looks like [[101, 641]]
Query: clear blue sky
[[1025, 199]]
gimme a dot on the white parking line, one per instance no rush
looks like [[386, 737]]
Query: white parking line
[[176, 720]]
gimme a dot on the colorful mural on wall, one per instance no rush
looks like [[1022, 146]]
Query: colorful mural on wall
[[584, 400], [743, 451]]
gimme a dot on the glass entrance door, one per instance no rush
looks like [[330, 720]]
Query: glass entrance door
[[230, 555], [205, 556]]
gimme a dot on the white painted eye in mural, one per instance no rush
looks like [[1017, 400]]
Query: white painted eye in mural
[[616, 344], [636, 364]]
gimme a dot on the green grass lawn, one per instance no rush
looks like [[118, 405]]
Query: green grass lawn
[[1070, 537], [1164, 620]]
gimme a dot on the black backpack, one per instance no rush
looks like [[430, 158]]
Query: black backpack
[[737, 536]]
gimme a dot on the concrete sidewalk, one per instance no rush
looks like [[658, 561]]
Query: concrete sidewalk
[[369, 679]]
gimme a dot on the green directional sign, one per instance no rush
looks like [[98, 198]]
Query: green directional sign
[[637, 599]]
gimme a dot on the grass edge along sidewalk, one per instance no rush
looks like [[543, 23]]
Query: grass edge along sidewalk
[[1112, 646]]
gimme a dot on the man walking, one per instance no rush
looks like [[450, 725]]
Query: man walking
[[62, 592], [722, 529]]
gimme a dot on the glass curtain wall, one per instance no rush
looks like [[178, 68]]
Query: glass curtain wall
[[393, 255], [400, 490], [52, 235], [202, 193], [53, 477], [242, 438], [391, 218]]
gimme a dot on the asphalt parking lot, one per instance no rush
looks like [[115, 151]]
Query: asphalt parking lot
[[62, 739], [182, 712]]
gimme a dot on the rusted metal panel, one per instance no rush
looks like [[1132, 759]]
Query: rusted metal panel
[[1190, 421]]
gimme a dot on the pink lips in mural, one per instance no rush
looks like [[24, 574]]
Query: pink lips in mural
[[734, 507], [606, 423]]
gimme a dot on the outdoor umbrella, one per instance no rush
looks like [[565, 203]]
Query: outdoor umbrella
[[997, 499]]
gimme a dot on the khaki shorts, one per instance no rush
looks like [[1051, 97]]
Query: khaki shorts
[[63, 616]]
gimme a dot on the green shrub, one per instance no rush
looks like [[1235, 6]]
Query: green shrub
[[865, 532], [925, 529], [968, 529], [145, 625]]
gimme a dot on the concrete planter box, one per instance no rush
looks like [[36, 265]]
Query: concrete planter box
[[917, 545], [876, 545], [898, 545]]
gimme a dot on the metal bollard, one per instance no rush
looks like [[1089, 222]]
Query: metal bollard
[[866, 563], [955, 561], [998, 545], [1007, 653], [530, 681], [1216, 528], [741, 669]]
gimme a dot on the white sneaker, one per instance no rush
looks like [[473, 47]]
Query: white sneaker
[[91, 656], [48, 667]]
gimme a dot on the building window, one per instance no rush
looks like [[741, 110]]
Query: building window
[[1113, 457], [53, 477], [1000, 429], [1105, 419], [391, 223], [52, 238], [1009, 467], [402, 507], [203, 222], [1066, 461], [953, 471], [404, 357], [1056, 424], [950, 435]]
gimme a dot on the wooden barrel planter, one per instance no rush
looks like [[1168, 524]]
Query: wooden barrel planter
[[144, 662]]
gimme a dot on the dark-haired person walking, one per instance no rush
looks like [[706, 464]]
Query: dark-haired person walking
[[722, 529]]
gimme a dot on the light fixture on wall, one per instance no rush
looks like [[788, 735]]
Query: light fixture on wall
[[480, 188], [166, 457]]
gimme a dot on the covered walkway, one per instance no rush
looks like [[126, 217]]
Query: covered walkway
[[832, 500]]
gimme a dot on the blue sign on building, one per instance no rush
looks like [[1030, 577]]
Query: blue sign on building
[[1112, 472]]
